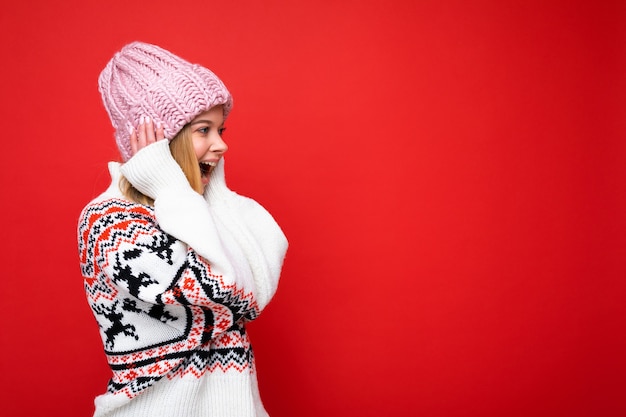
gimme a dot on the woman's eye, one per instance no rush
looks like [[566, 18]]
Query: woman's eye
[[221, 130], [204, 130]]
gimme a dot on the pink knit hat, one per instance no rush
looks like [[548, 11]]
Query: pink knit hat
[[146, 80]]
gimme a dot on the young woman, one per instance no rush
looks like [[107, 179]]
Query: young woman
[[174, 263]]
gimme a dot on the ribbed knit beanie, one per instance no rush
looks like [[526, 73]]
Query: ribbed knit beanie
[[146, 80]]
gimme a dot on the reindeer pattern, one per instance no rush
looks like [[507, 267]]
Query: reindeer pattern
[[116, 327], [112, 317]]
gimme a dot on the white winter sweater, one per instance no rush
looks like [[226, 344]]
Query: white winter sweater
[[172, 286]]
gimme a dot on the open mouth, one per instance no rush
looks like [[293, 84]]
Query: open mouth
[[207, 167]]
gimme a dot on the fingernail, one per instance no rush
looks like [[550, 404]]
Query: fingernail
[[158, 125], [141, 120], [130, 128], [147, 119]]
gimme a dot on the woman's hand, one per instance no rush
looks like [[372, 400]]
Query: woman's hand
[[146, 134]]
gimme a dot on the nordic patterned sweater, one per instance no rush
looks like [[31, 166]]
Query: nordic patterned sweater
[[171, 288]]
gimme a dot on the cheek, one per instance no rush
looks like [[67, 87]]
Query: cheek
[[198, 147]]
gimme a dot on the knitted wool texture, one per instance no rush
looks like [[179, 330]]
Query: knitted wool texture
[[146, 80], [172, 287]]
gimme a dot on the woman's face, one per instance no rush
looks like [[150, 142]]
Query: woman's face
[[206, 135]]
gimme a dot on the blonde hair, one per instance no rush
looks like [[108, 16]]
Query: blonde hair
[[182, 150]]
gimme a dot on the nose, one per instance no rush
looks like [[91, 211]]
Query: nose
[[217, 144]]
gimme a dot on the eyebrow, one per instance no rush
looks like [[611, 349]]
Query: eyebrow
[[202, 121]]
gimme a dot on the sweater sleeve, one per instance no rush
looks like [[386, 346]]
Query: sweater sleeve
[[123, 251], [255, 230], [173, 254], [156, 301], [237, 236], [183, 213]]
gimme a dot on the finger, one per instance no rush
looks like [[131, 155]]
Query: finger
[[141, 134], [133, 141], [160, 131], [149, 129]]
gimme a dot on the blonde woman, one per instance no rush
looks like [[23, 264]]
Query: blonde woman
[[174, 262]]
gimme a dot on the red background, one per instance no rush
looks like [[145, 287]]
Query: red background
[[450, 175]]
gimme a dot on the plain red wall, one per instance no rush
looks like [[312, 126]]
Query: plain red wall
[[450, 175]]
